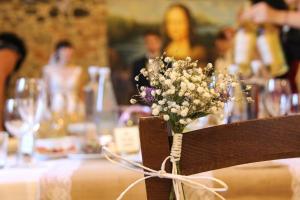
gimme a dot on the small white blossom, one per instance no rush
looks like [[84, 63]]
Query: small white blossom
[[143, 94], [155, 112], [168, 82], [209, 66], [189, 59], [136, 78], [191, 86], [182, 121], [200, 90], [197, 101], [175, 64], [162, 102], [166, 117], [132, 101], [183, 86], [173, 110], [153, 93], [184, 112], [188, 120], [185, 103], [214, 109], [158, 92], [167, 59]]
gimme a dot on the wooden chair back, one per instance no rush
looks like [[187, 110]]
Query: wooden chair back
[[217, 147]]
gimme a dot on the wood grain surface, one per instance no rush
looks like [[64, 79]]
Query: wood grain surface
[[218, 147]]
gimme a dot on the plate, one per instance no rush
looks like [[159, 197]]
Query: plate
[[86, 156], [49, 156]]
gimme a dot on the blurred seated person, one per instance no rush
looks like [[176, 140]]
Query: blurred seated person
[[12, 55], [62, 78], [286, 14], [223, 49], [179, 34], [152, 42]]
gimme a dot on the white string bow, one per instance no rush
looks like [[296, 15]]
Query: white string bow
[[176, 178]]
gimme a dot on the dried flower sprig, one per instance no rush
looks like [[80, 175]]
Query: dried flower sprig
[[181, 91]]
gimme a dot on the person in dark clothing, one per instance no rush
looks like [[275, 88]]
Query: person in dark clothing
[[285, 14], [12, 55], [152, 41]]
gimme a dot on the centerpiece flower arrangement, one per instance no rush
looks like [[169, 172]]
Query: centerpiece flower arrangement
[[180, 91]]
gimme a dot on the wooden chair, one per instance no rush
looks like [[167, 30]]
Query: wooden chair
[[217, 147]]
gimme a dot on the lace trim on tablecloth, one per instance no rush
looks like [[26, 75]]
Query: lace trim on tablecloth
[[294, 168], [196, 194], [56, 183]]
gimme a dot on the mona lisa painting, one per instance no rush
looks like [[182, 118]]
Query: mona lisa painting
[[179, 34], [187, 27]]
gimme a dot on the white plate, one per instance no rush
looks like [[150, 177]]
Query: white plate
[[83, 156], [40, 156]]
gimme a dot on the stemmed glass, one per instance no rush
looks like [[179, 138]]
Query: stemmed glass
[[30, 95], [23, 114], [15, 125], [277, 97]]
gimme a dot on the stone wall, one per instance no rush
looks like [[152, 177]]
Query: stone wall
[[41, 23]]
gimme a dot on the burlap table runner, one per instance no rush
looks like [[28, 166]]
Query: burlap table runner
[[101, 180]]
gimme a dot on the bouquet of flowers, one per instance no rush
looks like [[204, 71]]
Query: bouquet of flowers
[[181, 92]]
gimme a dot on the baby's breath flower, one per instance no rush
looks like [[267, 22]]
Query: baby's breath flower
[[143, 94], [209, 66], [173, 110], [185, 103], [184, 112], [191, 86], [175, 64], [136, 78], [184, 90], [167, 59], [155, 112], [214, 109], [162, 102], [183, 86], [196, 101], [132, 101], [200, 90], [182, 121], [168, 82], [153, 92], [188, 120], [166, 117]]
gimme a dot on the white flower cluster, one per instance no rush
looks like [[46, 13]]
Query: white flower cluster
[[181, 91]]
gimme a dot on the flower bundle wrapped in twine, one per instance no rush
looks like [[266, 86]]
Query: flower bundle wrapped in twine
[[181, 92]]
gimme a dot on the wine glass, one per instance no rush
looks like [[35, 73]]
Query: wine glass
[[277, 97], [15, 125], [30, 95]]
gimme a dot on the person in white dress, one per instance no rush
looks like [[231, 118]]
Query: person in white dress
[[62, 80]]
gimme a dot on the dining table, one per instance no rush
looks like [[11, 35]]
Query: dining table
[[99, 179]]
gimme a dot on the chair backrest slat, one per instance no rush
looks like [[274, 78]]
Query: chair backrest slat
[[240, 143], [155, 148], [219, 146]]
